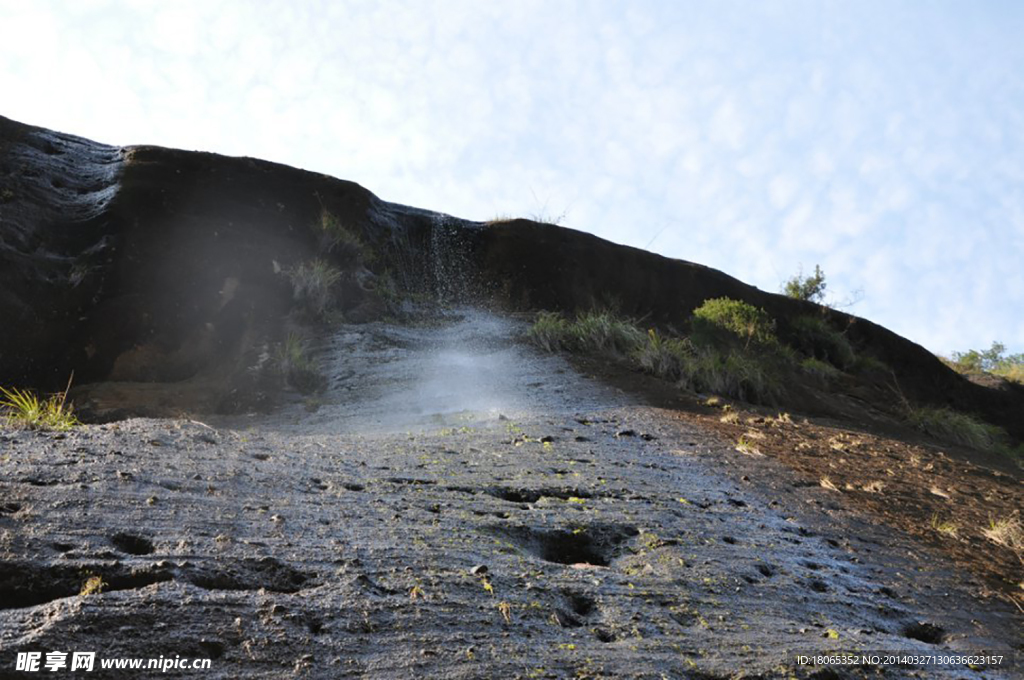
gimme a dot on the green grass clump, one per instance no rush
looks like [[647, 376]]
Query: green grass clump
[[603, 332], [297, 367], [727, 368], [734, 373], [954, 426], [813, 336], [750, 324], [312, 286], [727, 371], [25, 409], [551, 331], [665, 356], [589, 332]]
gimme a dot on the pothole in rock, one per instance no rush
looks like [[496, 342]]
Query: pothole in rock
[[925, 632], [594, 545], [577, 607], [132, 543], [251, 574], [213, 649], [533, 495], [27, 584], [411, 481], [9, 508]]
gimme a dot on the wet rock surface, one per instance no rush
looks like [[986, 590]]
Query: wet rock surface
[[457, 506]]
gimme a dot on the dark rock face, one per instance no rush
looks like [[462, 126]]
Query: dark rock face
[[160, 270], [146, 265], [56, 245]]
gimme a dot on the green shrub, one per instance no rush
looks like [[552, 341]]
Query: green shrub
[[814, 337], [312, 284], [810, 288], [24, 409], [741, 319]]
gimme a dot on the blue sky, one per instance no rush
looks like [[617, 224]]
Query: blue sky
[[881, 140]]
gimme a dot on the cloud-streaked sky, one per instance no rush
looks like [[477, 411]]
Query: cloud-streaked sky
[[881, 140]]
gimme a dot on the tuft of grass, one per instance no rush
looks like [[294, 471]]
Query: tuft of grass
[[589, 332], [747, 447], [604, 332], [25, 409], [733, 373], [665, 357], [93, 585], [1006, 532], [945, 527], [312, 286], [551, 331], [826, 483], [501, 218], [949, 425]]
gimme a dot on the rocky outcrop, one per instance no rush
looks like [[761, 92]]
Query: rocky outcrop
[[164, 274]]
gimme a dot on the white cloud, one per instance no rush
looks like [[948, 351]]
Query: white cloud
[[782, 190]]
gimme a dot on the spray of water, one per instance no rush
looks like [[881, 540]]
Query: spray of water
[[451, 266], [468, 368]]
